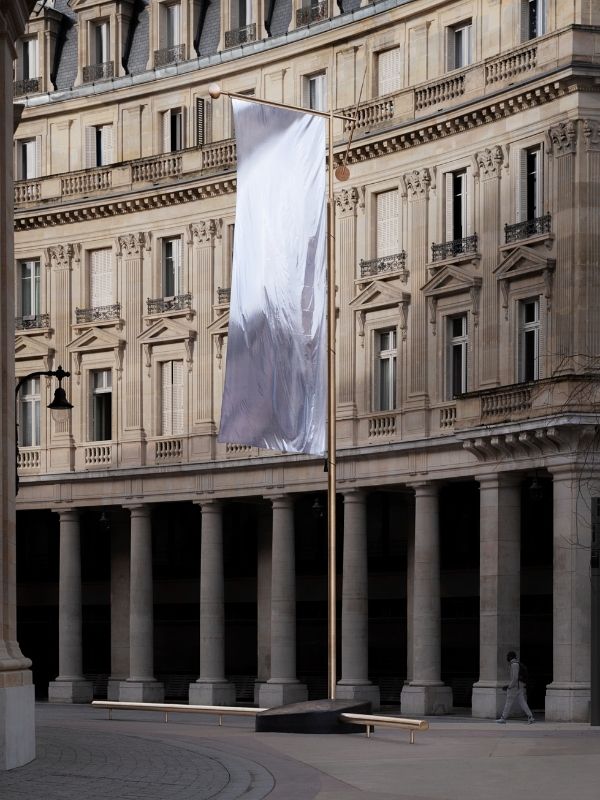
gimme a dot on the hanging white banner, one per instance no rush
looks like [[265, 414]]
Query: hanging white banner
[[275, 392]]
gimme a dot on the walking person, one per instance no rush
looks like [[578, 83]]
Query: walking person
[[516, 689]]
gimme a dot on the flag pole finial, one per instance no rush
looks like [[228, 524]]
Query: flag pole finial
[[214, 91]]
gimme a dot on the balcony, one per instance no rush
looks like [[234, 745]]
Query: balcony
[[26, 86], [98, 72], [32, 321], [169, 55], [383, 265], [161, 305], [453, 248], [97, 455], [239, 36], [531, 227], [313, 13], [168, 450], [98, 313], [29, 458], [154, 168]]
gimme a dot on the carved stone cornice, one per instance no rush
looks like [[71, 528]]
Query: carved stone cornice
[[417, 183], [60, 256], [205, 231], [132, 244], [591, 133], [489, 162], [347, 200], [563, 138]]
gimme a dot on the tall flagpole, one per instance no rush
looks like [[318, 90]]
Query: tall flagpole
[[215, 92]]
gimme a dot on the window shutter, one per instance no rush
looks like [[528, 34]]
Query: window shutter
[[541, 17], [38, 157], [177, 397], [464, 205], [100, 278], [166, 398], [166, 131], [449, 207], [522, 187], [200, 119], [524, 20], [178, 266], [90, 147], [107, 144], [468, 44], [451, 42], [388, 71], [387, 223]]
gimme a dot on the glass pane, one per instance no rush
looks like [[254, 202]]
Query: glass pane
[[457, 369], [530, 356], [384, 384]]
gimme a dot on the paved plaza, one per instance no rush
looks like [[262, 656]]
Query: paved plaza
[[84, 756]]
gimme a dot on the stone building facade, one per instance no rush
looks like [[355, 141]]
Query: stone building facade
[[467, 247]]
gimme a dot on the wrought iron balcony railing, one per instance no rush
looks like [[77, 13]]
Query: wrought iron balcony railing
[[26, 86], [98, 72], [241, 35], [169, 55], [531, 227], [456, 247], [223, 296], [31, 321], [394, 263], [179, 302], [98, 313], [313, 13]]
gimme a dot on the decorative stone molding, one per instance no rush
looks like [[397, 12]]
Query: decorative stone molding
[[563, 138], [376, 296], [167, 331], [132, 244], [489, 162], [95, 340], [347, 200], [60, 256], [591, 133], [417, 182], [218, 331], [531, 443], [450, 280], [522, 262], [204, 232]]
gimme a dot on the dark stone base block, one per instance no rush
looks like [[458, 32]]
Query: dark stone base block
[[313, 716]]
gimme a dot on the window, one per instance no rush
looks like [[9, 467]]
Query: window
[[203, 121], [456, 372], [29, 59], [29, 413], [99, 145], [387, 223], [388, 71], [28, 162], [530, 184], [529, 339], [172, 268], [172, 25], [315, 92], [30, 287], [100, 42], [459, 45], [230, 241], [172, 398], [456, 205], [241, 13], [101, 406], [101, 290], [533, 19], [172, 130], [385, 399]]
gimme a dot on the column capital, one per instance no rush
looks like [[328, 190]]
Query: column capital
[[425, 488], [137, 509], [280, 500], [67, 513], [209, 505], [498, 479], [565, 472], [354, 495]]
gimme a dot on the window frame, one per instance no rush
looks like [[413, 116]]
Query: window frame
[[528, 331], [456, 205], [170, 427], [456, 343], [466, 45], [100, 42], [108, 298], [174, 262], [29, 426], [315, 90], [387, 227], [394, 53], [28, 158], [33, 292], [101, 416], [533, 19], [386, 370], [173, 129], [29, 43]]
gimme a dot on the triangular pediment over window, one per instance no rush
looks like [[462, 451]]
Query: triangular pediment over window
[[521, 262], [95, 339], [220, 326], [451, 279], [28, 348], [378, 294], [166, 330]]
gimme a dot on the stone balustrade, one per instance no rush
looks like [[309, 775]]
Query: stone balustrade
[[168, 450], [27, 191], [219, 155], [156, 168], [89, 180], [438, 92], [29, 458], [382, 425], [97, 455], [512, 65]]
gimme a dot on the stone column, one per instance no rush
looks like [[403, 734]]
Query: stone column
[[283, 686], [141, 685], [119, 608], [69, 686], [263, 600], [568, 696], [212, 688], [355, 683], [499, 589], [426, 694]]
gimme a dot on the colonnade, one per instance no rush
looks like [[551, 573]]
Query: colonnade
[[567, 697]]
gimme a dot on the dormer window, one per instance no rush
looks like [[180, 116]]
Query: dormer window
[[27, 68], [101, 51], [171, 47], [101, 65], [172, 17]]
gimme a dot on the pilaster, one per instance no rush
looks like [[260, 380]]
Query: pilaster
[[588, 247]]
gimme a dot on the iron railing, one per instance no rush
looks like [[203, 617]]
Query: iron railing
[[530, 227], [31, 321], [98, 313], [223, 296], [26, 86], [241, 35], [179, 302], [313, 13], [394, 263], [456, 247], [169, 55], [98, 72]]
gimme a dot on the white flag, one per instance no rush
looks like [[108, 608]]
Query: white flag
[[275, 393]]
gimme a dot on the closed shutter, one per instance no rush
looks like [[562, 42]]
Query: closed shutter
[[451, 43], [107, 144], [521, 198], [177, 266], [177, 397], [91, 159], [388, 71], [166, 131], [172, 398], [166, 399], [200, 119], [101, 293], [449, 215], [387, 223], [524, 20]]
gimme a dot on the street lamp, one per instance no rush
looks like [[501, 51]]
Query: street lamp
[[59, 403]]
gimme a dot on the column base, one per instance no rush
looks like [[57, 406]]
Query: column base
[[141, 692], [275, 694], [568, 702], [488, 700], [113, 688], [211, 694], [422, 701], [17, 723], [70, 691], [359, 691]]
